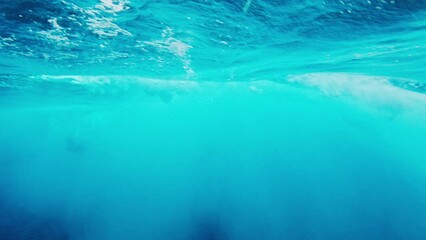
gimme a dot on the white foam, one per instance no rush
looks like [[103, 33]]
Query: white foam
[[58, 34], [171, 44], [105, 27], [6, 42], [113, 6], [371, 89], [101, 23], [175, 46], [120, 80]]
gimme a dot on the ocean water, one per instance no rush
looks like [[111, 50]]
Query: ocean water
[[213, 120]]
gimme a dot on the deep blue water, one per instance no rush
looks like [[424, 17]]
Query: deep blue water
[[213, 120]]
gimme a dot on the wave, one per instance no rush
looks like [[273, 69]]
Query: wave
[[377, 92], [226, 40]]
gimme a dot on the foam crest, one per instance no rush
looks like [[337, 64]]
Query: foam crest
[[371, 89]]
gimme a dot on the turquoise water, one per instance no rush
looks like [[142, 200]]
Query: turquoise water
[[213, 120]]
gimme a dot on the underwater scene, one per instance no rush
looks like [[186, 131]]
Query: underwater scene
[[212, 120]]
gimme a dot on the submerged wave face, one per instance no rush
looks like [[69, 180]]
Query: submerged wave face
[[212, 120]]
